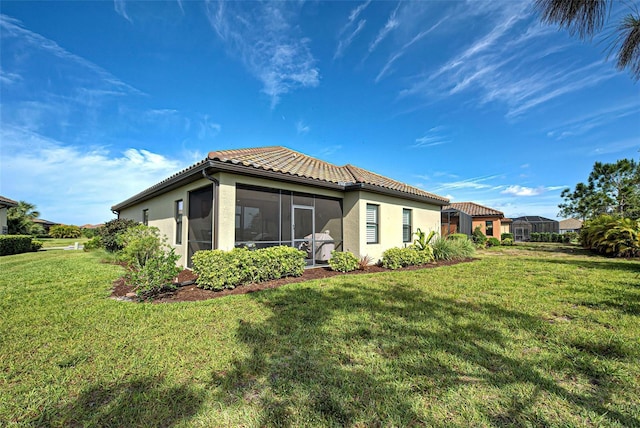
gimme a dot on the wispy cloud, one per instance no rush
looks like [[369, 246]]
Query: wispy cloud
[[346, 42], [391, 24], [302, 128], [268, 44], [208, 129], [70, 170], [353, 15], [7, 78], [517, 190], [120, 6], [583, 124], [470, 183], [386, 69], [431, 138]]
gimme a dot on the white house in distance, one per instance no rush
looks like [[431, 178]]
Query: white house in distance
[[5, 204], [267, 196]]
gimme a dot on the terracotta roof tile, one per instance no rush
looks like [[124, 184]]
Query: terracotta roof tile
[[287, 161], [473, 209]]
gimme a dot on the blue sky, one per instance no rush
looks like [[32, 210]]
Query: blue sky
[[474, 100]]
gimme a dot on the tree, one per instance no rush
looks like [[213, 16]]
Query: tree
[[612, 188], [20, 220], [587, 17]]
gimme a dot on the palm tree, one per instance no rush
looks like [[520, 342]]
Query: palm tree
[[587, 17], [20, 219]]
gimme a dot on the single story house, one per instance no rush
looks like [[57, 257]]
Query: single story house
[[266, 196], [5, 204], [46, 224], [524, 226], [570, 225], [464, 217]]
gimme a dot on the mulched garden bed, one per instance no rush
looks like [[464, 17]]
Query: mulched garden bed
[[191, 293]]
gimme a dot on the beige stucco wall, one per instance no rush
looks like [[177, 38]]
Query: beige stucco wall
[[3, 219], [424, 216], [161, 214]]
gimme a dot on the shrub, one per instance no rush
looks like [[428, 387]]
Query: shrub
[[612, 236], [453, 249], [343, 261], [111, 230], [93, 244], [507, 241], [569, 237], [462, 236], [140, 243], [218, 269], [506, 235], [364, 262], [395, 258], [88, 233], [64, 231], [478, 237], [36, 245], [156, 274], [422, 239], [493, 242], [14, 244]]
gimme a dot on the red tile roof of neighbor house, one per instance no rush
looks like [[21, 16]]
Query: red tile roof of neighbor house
[[8, 202], [289, 162], [474, 210]]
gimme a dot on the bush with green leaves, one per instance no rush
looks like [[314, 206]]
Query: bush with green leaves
[[462, 236], [219, 269], [507, 242], [612, 236], [111, 230], [506, 235], [478, 237], [36, 245], [156, 275], [493, 242], [89, 233], [140, 243], [422, 239], [64, 231], [93, 244], [453, 249], [395, 258], [569, 237], [15, 244], [343, 261]]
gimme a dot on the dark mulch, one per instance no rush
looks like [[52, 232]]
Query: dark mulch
[[189, 292]]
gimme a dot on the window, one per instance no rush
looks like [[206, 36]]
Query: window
[[145, 217], [406, 225], [372, 224], [179, 212], [488, 227]]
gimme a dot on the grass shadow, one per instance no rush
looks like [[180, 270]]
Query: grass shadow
[[364, 356]]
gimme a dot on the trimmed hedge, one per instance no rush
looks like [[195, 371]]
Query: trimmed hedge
[[493, 242], [16, 244], [218, 269], [343, 261], [551, 237], [395, 258], [506, 235]]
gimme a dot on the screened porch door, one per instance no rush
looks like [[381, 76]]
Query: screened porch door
[[200, 218], [302, 228]]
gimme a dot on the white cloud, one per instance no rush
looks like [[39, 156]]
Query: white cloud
[[517, 190], [345, 43], [120, 6], [268, 44], [390, 25], [431, 138], [75, 184], [301, 127], [7, 78]]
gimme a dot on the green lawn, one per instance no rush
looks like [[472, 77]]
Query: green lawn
[[525, 336], [61, 242]]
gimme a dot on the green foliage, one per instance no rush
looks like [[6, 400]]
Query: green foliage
[[65, 231], [612, 236], [507, 241], [89, 233], [422, 239], [218, 269], [568, 237], [140, 243], [453, 249], [109, 233], [612, 188], [479, 237], [14, 244], [462, 236], [548, 237], [506, 235], [343, 261], [156, 275], [493, 242], [20, 220], [36, 245], [93, 244], [395, 258]]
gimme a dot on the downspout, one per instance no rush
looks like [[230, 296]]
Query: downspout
[[216, 185]]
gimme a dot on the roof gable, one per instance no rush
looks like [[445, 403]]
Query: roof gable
[[8, 202]]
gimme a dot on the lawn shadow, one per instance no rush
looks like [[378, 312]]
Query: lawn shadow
[[601, 262], [143, 401], [364, 356]]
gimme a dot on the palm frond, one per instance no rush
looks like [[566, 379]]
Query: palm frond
[[582, 17]]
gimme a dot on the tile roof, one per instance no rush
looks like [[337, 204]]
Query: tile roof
[[571, 223], [8, 202], [289, 162], [474, 210]]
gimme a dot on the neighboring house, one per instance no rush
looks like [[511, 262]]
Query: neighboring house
[[261, 197], [464, 217], [46, 224], [5, 204], [570, 225], [505, 225], [524, 226]]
